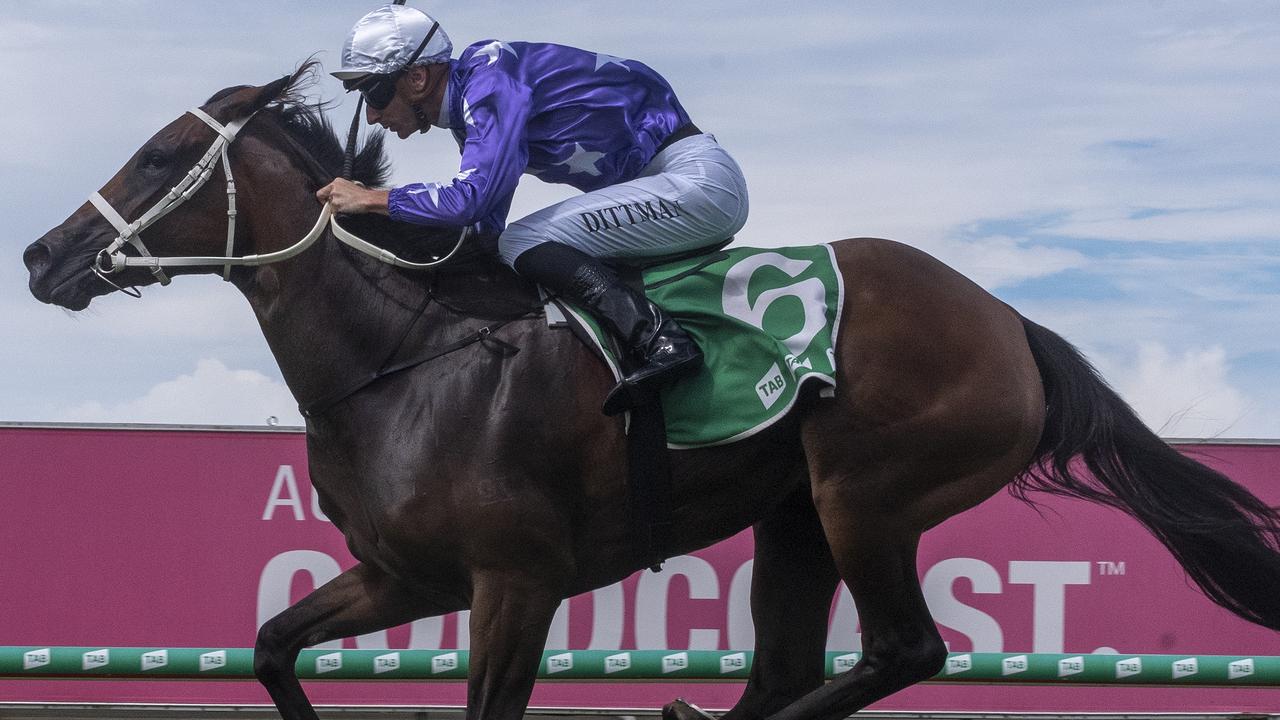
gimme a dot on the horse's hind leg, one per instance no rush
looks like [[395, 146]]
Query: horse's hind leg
[[900, 643], [873, 513], [793, 579], [360, 600]]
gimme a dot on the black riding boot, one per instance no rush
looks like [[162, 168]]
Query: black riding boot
[[656, 348]]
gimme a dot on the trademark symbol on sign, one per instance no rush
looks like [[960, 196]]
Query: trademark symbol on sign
[[1106, 567]]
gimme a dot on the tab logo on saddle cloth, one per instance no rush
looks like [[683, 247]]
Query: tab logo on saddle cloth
[[766, 321]]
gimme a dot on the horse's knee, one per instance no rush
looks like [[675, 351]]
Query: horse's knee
[[272, 656]]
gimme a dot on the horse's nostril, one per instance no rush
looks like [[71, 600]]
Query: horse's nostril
[[36, 257]]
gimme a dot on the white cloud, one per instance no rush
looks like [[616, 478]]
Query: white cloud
[[997, 261], [211, 395], [1197, 226], [1187, 395]]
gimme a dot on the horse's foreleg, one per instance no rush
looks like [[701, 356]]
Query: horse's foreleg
[[360, 600], [510, 616], [793, 579]]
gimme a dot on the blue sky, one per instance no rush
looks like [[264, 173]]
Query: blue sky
[[1110, 169]]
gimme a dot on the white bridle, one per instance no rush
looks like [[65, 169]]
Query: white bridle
[[111, 258]]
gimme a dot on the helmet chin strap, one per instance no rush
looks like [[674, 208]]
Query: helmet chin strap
[[424, 124]]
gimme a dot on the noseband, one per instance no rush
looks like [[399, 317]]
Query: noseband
[[112, 259]]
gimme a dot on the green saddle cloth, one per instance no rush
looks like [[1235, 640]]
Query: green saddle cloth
[[766, 321]]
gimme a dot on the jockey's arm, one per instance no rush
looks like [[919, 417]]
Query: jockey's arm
[[496, 110]]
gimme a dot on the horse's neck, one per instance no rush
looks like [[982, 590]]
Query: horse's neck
[[330, 320], [330, 315]]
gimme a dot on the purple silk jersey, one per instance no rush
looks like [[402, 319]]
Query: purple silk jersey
[[559, 113]]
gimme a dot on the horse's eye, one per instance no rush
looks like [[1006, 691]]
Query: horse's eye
[[154, 160]]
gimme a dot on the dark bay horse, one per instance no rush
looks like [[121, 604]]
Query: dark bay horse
[[489, 480]]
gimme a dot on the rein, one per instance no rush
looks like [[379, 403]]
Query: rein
[[112, 259]]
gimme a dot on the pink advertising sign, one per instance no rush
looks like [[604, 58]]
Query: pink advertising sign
[[173, 538]]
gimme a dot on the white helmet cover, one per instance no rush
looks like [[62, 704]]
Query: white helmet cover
[[384, 40]]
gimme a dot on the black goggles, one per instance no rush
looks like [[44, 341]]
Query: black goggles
[[379, 90]]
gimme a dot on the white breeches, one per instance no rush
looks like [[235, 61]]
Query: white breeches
[[691, 194]]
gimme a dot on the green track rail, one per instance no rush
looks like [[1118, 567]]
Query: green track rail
[[611, 665]]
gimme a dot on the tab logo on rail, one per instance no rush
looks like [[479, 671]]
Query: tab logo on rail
[[444, 663], [386, 663], [36, 658], [959, 664], [1239, 669], [215, 660], [675, 662], [1013, 665], [95, 659], [1128, 667], [844, 663], [328, 663], [733, 662], [1071, 666], [1185, 667], [154, 659], [560, 663], [617, 663]]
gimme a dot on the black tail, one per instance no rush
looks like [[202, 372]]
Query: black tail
[[1225, 538]]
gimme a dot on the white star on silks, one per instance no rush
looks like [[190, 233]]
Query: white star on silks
[[602, 60], [583, 161], [431, 189], [494, 50]]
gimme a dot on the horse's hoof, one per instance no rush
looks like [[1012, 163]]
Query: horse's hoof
[[679, 709]]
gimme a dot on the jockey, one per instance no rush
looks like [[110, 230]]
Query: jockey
[[653, 183]]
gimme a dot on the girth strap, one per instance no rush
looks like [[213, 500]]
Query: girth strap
[[483, 335], [649, 479]]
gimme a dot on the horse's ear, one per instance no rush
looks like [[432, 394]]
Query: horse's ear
[[256, 98], [243, 101]]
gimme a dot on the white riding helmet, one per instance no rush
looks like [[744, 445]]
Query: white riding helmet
[[386, 39]]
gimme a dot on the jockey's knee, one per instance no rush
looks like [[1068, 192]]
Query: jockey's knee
[[515, 240]]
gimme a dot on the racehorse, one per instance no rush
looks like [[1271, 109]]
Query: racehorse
[[485, 476]]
